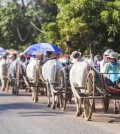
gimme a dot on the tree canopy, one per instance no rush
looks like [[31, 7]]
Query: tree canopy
[[82, 22]]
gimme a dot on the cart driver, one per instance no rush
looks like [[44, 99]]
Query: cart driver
[[112, 68]]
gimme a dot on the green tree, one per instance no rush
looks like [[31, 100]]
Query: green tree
[[85, 22], [79, 21], [82, 22], [111, 18], [20, 23]]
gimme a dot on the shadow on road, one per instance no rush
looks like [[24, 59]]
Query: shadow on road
[[114, 120], [28, 109], [110, 117], [5, 94]]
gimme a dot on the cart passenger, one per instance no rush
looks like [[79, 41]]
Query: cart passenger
[[23, 61], [105, 59], [13, 63], [64, 60], [27, 56], [112, 69], [23, 64]]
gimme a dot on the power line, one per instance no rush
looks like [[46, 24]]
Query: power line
[[19, 35], [37, 28]]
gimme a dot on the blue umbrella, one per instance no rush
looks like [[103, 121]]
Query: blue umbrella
[[2, 50], [42, 48], [57, 49]]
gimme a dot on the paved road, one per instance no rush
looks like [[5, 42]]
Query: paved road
[[19, 115]]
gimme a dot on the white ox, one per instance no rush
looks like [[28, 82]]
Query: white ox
[[4, 74], [78, 75], [31, 74], [51, 71]]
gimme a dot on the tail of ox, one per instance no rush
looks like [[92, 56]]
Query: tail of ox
[[78, 75], [51, 71]]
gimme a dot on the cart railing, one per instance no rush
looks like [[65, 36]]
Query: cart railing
[[101, 82]]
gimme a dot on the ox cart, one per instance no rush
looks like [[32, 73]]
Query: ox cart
[[66, 93], [61, 89], [21, 81], [37, 84], [96, 88]]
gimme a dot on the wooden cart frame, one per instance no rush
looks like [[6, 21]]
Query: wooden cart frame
[[96, 88], [22, 81], [62, 90]]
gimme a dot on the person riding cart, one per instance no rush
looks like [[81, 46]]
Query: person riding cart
[[112, 70], [105, 59]]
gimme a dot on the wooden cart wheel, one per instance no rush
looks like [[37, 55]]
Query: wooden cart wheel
[[105, 104], [90, 87], [63, 101], [62, 79], [36, 84], [7, 81], [63, 95], [14, 86], [16, 81]]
